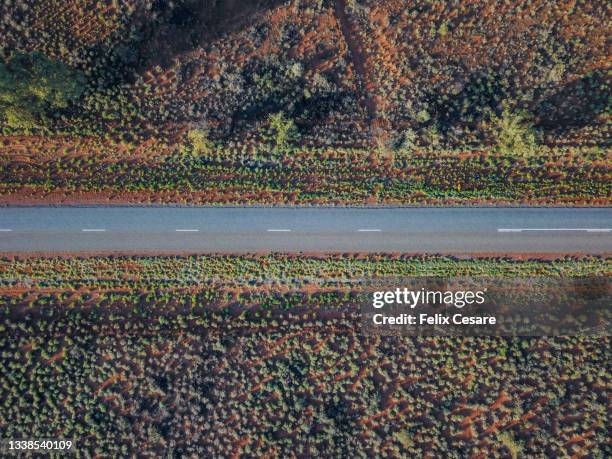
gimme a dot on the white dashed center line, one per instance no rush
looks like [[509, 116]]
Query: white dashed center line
[[522, 230], [367, 230], [281, 230], [5, 230], [187, 230], [93, 230]]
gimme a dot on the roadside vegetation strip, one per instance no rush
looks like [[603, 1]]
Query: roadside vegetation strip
[[181, 271], [346, 177]]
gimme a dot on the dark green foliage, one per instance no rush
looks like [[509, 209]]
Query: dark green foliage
[[33, 88]]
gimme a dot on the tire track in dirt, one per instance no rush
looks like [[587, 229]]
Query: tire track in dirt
[[358, 57]]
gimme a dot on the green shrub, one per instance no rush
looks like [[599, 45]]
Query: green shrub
[[405, 141], [514, 133], [200, 143], [282, 131]]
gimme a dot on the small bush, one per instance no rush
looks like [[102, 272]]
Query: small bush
[[514, 133], [199, 141], [282, 131]]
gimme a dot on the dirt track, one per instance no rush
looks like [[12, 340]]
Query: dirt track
[[357, 54]]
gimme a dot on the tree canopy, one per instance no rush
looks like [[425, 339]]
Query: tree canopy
[[33, 87]]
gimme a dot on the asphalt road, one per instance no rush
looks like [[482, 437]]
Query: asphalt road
[[433, 230]]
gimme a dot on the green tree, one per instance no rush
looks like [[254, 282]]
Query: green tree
[[514, 133], [282, 131], [33, 87], [405, 141]]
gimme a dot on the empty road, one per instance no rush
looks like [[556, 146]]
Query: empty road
[[180, 229]]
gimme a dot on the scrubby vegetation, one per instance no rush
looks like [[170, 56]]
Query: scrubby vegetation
[[157, 173], [294, 102], [261, 87], [262, 355], [455, 66]]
